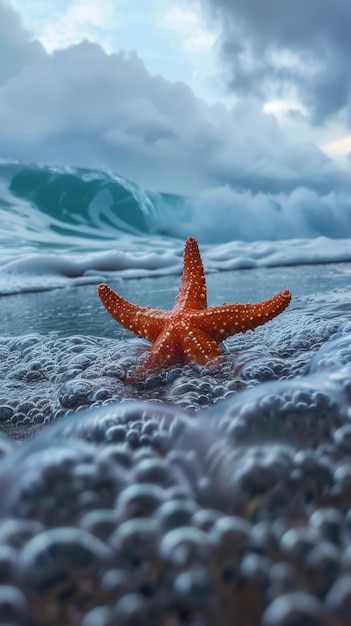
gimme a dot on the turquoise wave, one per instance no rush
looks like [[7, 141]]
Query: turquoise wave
[[48, 205]]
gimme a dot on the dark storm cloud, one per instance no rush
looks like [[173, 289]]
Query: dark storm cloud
[[16, 48], [273, 47], [81, 106]]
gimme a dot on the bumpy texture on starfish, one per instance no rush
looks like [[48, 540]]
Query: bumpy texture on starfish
[[190, 332]]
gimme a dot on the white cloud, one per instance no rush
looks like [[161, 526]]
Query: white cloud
[[189, 27], [202, 41], [180, 18], [80, 20]]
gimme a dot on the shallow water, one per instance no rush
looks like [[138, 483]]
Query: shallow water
[[77, 310]]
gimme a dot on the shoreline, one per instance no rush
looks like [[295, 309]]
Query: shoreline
[[77, 310]]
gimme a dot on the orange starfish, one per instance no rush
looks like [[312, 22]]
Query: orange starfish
[[190, 332]]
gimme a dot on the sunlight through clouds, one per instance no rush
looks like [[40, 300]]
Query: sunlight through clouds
[[339, 150], [281, 108]]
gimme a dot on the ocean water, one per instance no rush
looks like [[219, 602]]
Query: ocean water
[[220, 494]]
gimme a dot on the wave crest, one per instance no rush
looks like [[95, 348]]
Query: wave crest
[[76, 202]]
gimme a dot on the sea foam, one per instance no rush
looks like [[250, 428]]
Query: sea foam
[[42, 270]]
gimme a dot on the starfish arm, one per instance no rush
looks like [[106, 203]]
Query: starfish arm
[[192, 292], [142, 321], [223, 321], [166, 351], [198, 347]]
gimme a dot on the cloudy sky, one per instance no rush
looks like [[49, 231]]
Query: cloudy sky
[[182, 95]]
